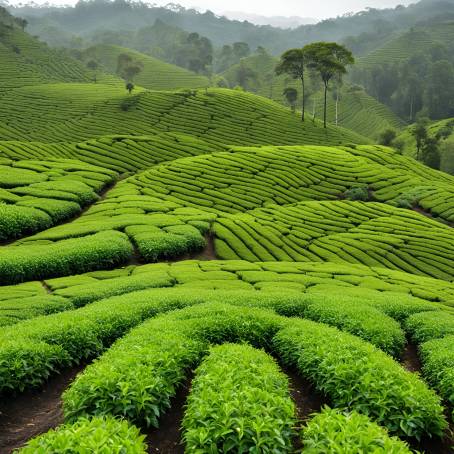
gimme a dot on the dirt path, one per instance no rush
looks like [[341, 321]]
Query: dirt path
[[410, 359], [32, 413], [167, 438]]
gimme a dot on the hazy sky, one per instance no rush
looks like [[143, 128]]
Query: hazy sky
[[303, 8]]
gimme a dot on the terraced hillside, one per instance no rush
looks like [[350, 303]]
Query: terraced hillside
[[76, 112], [155, 74], [267, 206], [198, 271], [28, 62], [418, 39], [357, 110]]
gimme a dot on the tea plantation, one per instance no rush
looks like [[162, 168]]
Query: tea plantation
[[196, 270]]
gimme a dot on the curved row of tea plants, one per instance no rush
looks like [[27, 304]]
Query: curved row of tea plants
[[36, 194], [371, 233], [77, 112], [327, 357]]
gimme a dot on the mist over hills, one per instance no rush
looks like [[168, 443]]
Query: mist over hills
[[87, 16]]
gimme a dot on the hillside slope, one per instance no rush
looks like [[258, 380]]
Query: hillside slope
[[25, 61], [156, 74], [76, 112], [266, 204], [416, 40]]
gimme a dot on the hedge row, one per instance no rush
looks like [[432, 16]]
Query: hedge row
[[426, 326], [40, 193], [76, 255], [350, 371], [369, 233], [99, 435], [438, 367], [239, 402], [134, 371], [332, 432]]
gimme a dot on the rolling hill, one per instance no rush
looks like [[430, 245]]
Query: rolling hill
[[197, 269], [75, 112], [417, 39], [27, 62], [155, 75]]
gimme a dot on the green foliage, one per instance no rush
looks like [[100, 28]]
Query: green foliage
[[332, 431], [144, 369], [16, 221], [155, 73], [360, 319], [387, 137], [357, 192], [429, 325], [71, 113], [239, 402], [89, 435], [14, 310], [102, 250], [438, 367], [334, 361]]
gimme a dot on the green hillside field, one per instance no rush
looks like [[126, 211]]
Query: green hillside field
[[199, 255], [418, 39], [155, 74], [76, 112]]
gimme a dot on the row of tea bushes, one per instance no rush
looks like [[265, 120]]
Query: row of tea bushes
[[369, 233], [36, 194], [77, 112], [239, 401], [140, 364], [121, 153], [360, 292]]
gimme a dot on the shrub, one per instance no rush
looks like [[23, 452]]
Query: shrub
[[349, 371], [239, 402], [76, 255], [16, 221], [437, 357], [429, 325], [357, 192], [332, 432], [97, 435], [138, 376]]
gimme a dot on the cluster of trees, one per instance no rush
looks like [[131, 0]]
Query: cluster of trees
[[9, 21], [421, 85], [230, 55], [327, 60], [435, 149]]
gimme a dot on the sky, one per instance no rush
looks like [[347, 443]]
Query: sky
[[303, 8]]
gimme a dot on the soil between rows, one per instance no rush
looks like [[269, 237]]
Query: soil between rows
[[33, 412]]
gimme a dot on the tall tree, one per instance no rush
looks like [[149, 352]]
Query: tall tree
[[294, 62], [329, 60]]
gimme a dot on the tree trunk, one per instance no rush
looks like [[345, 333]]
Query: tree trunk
[[313, 110], [324, 105], [304, 99], [411, 108], [337, 103]]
